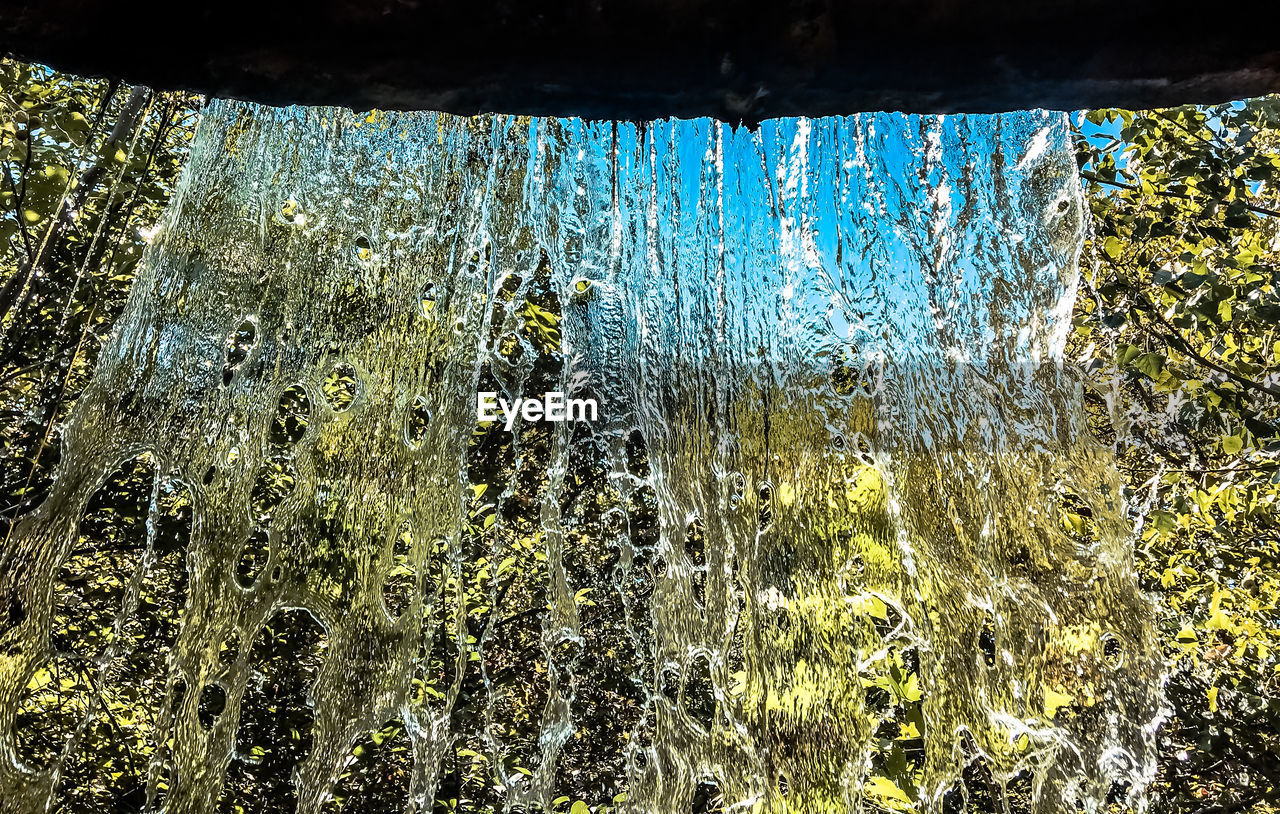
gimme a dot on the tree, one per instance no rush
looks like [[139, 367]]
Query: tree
[[88, 166], [1178, 323]]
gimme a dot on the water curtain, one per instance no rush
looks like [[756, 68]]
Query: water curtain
[[839, 539]]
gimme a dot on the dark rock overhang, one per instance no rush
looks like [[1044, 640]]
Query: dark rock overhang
[[643, 59]]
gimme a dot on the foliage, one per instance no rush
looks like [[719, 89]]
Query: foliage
[[1179, 318], [88, 165]]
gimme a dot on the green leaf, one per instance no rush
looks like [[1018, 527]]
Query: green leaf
[[1152, 364]]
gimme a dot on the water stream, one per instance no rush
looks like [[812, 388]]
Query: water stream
[[837, 541]]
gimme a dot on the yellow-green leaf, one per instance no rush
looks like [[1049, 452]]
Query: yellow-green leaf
[[1054, 701], [887, 791], [1218, 621], [911, 690]]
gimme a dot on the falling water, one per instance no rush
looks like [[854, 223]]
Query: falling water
[[838, 539]]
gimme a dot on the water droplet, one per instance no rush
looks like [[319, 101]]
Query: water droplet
[[583, 288], [637, 455], [766, 506], [707, 799], [987, 644], [416, 422], [293, 414], [239, 345], [1112, 651], [427, 300], [213, 700], [252, 559], [342, 387], [510, 347], [397, 585], [275, 481], [363, 250]]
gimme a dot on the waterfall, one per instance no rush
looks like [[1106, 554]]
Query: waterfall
[[838, 539]]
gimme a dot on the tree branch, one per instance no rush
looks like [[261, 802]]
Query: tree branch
[[1175, 338], [13, 289], [1097, 179], [19, 196], [1221, 145]]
